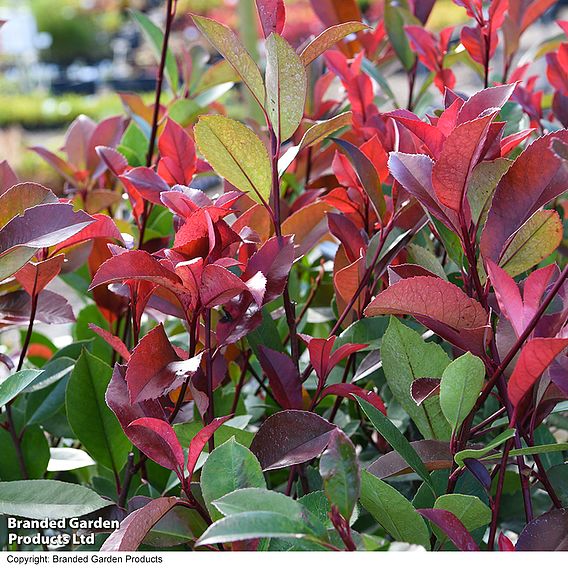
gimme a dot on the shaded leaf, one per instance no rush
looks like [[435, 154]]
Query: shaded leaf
[[452, 527], [547, 532]]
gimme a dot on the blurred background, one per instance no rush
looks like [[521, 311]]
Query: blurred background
[[62, 58]]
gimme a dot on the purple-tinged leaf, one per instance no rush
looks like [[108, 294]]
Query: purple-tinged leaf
[[480, 102], [536, 177], [290, 437], [283, 377], [219, 285], [77, 141], [115, 342], [549, 532], [479, 471], [168, 452], [52, 308], [146, 182], [274, 260], [137, 525], [435, 455], [452, 527], [43, 226], [422, 389], [15, 200], [7, 177]]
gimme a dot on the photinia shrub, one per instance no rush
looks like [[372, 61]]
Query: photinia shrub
[[337, 323]]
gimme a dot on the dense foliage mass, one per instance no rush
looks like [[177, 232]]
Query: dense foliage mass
[[340, 326]]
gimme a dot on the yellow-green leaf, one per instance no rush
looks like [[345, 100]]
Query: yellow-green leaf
[[236, 153], [230, 47], [286, 86], [534, 241]]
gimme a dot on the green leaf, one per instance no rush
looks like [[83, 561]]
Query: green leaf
[[423, 257], [43, 498], [229, 467], [531, 451], [407, 357], [16, 383], [461, 384], [367, 331], [35, 453], [537, 239], [479, 453], [187, 431], [42, 405], [317, 504], [53, 372], [340, 472], [231, 48], [236, 153], [394, 437], [259, 524], [133, 145], [484, 179], [254, 499], [90, 418], [286, 87], [469, 509], [393, 511], [156, 38], [396, 17]]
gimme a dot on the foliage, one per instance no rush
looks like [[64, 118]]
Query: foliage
[[343, 327]]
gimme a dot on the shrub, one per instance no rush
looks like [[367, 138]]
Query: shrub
[[360, 340]]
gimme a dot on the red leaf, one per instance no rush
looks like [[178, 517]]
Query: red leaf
[[168, 453], [349, 391], [134, 528], [35, 276], [113, 159], [509, 143], [482, 101], [344, 351], [177, 154], [57, 163], [536, 356], [505, 544], [460, 154], [7, 177], [219, 285], [274, 260], [145, 182], [272, 14], [463, 320], [154, 368], [136, 265], [106, 134], [118, 400], [103, 227], [283, 377], [332, 12], [508, 296], [77, 141], [115, 342], [536, 177], [453, 528], [199, 440]]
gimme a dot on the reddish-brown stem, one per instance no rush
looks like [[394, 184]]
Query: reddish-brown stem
[[210, 413]]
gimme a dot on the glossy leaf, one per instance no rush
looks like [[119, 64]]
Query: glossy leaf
[[229, 467], [453, 528], [283, 377], [199, 440], [91, 420], [48, 499], [461, 384], [340, 472], [393, 511], [469, 509], [395, 438], [15, 384], [545, 533], [291, 437]]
